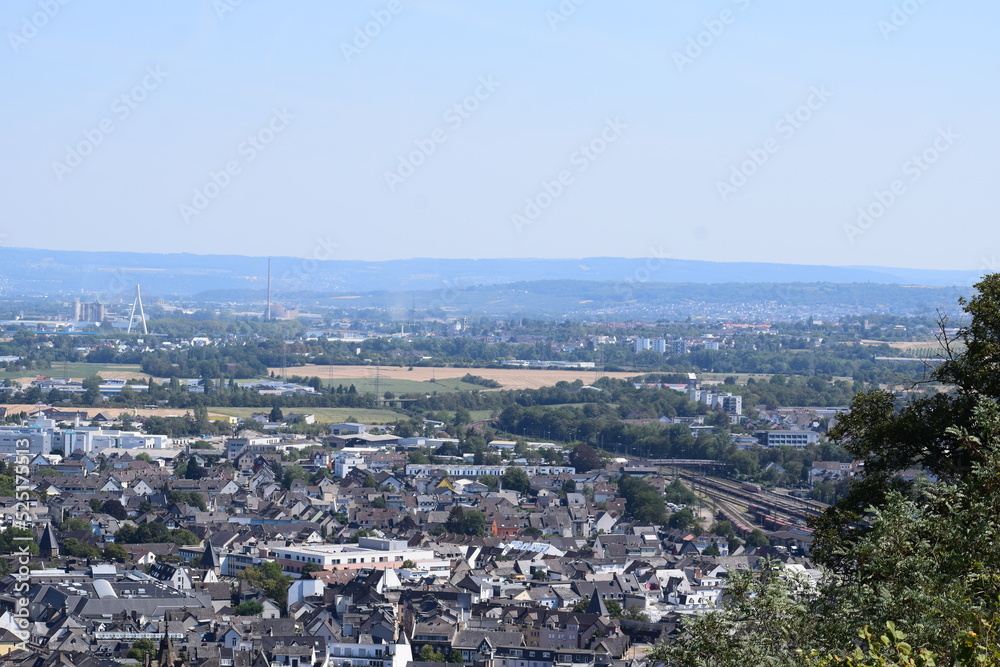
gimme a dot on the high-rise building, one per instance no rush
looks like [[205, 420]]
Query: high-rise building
[[89, 312], [732, 404]]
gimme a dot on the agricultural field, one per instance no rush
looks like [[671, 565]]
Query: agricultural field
[[918, 347], [14, 408], [396, 386], [325, 415], [509, 378], [79, 371]]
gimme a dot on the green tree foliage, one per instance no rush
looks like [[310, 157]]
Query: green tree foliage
[[679, 494], [757, 538], [515, 479], [249, 608], [74, 523], [269, 579], [73, 547], [917, 558], [140, 648], [465, 521], [193, 498], [294, 472], [154, 533], [490, 481], [193, 470], [428, 654], [10, 544], [115, 509], [762, 623], [634, 613], [116, 552], [642, 501]]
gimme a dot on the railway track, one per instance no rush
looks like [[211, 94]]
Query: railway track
[[795, 509]]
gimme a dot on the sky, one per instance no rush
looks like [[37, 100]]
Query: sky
[[855, 132]]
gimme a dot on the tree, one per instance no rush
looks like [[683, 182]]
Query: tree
[[294, 472], [634, 613], [269, 579], [515, 479], [276, 415], [91, 390], [455, 657], [140, 647], [194, 470], [490, 481], [757, 538], [73, 547], [584, 458], [466, 522], [642, 501], [380, 503], [249, 608], [711, 550], [408, 564], [115, 509], [761, 623], [428, 654], [540, 575], [116, 552], [95, 505], [679, 494], [914, 557], [74, 523]]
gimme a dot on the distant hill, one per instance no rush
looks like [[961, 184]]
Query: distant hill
[[113, 275]]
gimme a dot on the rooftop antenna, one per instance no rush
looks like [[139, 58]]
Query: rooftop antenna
[[142, 313], [267, 314]]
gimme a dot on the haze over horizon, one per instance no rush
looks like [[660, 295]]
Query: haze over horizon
[[242, 127]]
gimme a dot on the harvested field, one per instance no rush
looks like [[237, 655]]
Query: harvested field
[[510, 378]]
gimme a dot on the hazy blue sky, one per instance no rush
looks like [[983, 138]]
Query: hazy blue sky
[[116, 115]]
